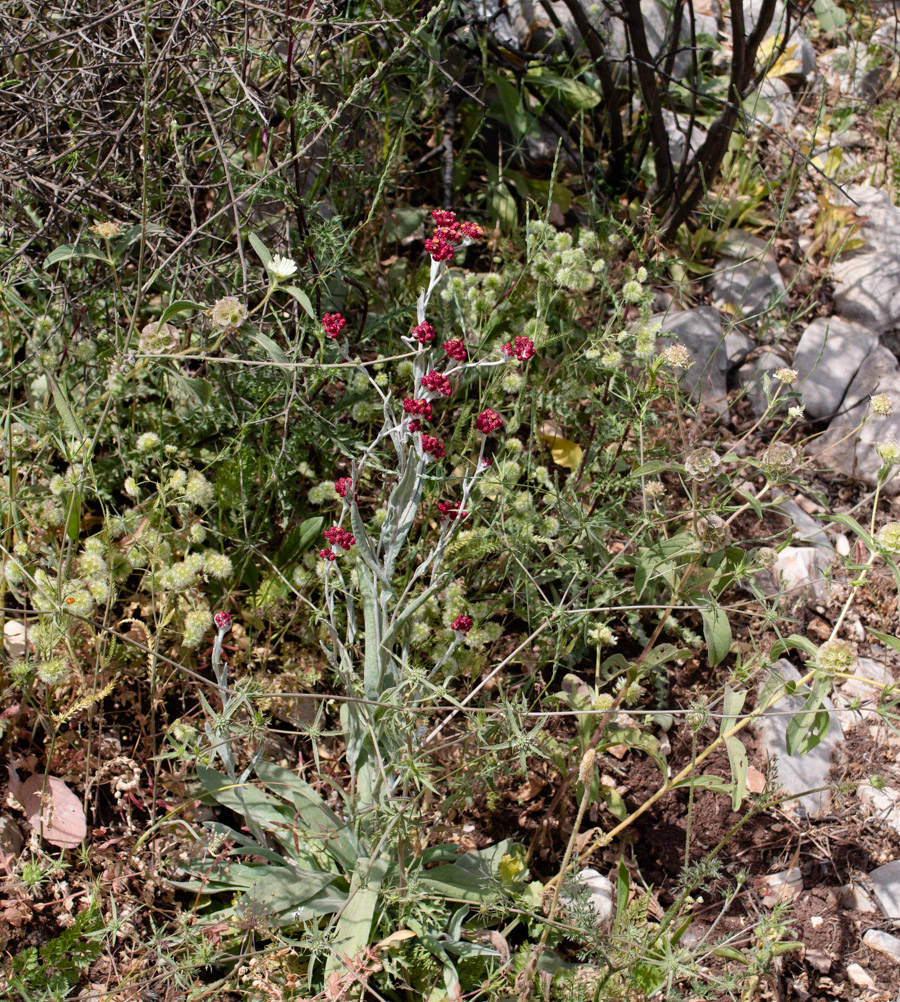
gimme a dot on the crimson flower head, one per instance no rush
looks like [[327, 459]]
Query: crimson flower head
[[437, 382], [328, 554], [433, 447], [342, 485], [442, 217], [522, 349], [488, 421], [339, 537], [451, 511], [423, 332], [222, 621], [333, 323], [486, 463], [462, 624], [456, 350], [415, 425], [420, 407], [448, 233]]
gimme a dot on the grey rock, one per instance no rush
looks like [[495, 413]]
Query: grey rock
[[12, 840], [802, 574], [746, 278], [752, 376], [682, 136], [856, 898], [886, 888], [786, 885], [849, 451], [867, 280], [700, 331], [884, 943], [737, 346], [882, 805], [772, 103], [797, 774], [805, 526], [856, 691], [827, 358]]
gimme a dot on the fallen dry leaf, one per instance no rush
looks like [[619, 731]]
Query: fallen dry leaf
[[51, 807]]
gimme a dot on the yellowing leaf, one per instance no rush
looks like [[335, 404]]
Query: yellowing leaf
[[785, 65], [564, 452], [396, 937]]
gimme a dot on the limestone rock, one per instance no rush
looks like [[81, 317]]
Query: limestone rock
[[700, 331], [867, 280], [746, 278], [884, 943], [752, 376], [886, 888], [827, 358], [797, 774], [850, 452]]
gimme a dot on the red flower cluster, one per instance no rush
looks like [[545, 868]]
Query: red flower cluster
[[222, 620], [415, 425], [462, 624], [342, 485], [488, 421], [421, 407], [448, 233], [423, 332], [328, 554], [432, 446], [339, 537], [437, 382], [451, 511], [333, 323], [522, 349], [455, 350]]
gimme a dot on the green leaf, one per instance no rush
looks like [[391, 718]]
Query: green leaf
[[301, 298], [716, 632], [729, 953], [504, 207], [179, 306], [886, 638], [705, 781], [268, 346], [66, 252], [512, 110], [810, 725], [260, 249], [354, 926], [614, 803], [650, 469], [299, 540], [575, 93], [733, 703], [793, 641], [829, 15], [849, 522]]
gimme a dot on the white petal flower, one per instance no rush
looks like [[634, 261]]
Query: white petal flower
[[281, 268]]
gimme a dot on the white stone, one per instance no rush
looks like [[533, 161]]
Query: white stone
[[880, 804], [883, 942], [886, 888], [602, 894], [746, 278], [14, 639], [859, 977], [856, 898], [867, 280], [783, 886], [797, 774], [827, 358], [700, 331], [845, 447], [752, 376]]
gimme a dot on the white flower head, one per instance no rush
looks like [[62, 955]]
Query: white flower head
[[281, 268]]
